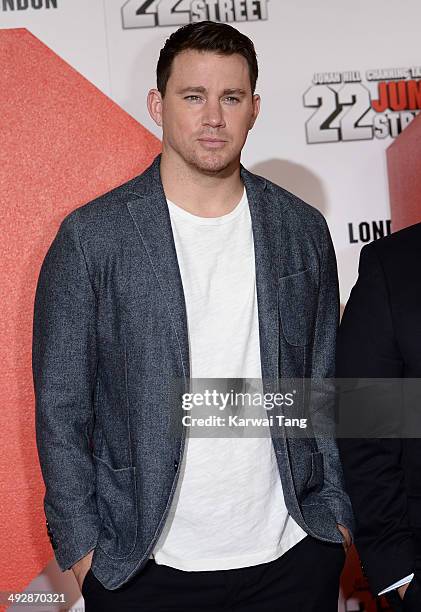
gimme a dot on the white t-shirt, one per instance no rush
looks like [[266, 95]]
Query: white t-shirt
[[228, 510]]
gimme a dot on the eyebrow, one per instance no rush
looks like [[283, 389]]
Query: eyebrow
[[226, 92]]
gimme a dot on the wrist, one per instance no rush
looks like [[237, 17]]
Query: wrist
[[402, 589]]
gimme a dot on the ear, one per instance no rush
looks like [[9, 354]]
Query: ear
[[154, 103], [256, 110]]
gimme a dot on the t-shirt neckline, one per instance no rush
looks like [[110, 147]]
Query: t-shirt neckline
[[198, 220]]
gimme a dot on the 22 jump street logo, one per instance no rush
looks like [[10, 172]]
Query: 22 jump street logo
[[348, 109], [152, 13]]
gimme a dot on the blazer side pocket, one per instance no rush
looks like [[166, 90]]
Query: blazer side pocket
[[117, 507], [316, 480]]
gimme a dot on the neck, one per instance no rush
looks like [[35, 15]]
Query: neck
[[198, 192]]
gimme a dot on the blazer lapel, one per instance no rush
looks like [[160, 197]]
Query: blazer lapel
[[266, 225], [149, 211]]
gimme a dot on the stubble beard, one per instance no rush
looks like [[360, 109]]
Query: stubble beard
[[208, 162]]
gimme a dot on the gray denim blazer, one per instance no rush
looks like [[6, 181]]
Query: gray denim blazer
[[109, 336]]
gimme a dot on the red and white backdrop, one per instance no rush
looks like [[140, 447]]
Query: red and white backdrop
[[339, 83]]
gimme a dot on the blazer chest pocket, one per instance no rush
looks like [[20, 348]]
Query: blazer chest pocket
[[117, 508], [297, 296]]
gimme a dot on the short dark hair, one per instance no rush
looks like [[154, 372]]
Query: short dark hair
[[209, 36]]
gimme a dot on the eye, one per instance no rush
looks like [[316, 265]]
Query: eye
[[193, 98], [232, 99]]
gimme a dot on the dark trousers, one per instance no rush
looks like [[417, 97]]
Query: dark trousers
[[412, 599], [304, 579]]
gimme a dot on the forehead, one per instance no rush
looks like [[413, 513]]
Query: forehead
[[204, 68]]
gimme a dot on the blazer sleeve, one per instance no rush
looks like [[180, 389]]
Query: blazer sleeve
[[322, 405], [64, 363], [367, 349]]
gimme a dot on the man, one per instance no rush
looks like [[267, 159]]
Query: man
[[379, 338], [177, 275]]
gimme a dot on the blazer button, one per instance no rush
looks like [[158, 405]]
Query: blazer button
[[175, 464]]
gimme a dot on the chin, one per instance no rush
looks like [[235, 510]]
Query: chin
[[212, 163]]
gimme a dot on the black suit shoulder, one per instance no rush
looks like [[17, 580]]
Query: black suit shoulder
[[393, 250]]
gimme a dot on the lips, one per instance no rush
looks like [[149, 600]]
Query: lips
[[212, 143], [211, 140]]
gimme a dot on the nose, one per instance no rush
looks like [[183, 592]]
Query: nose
[[213, 114]]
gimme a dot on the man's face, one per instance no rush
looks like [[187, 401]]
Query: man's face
[[208, 109]]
